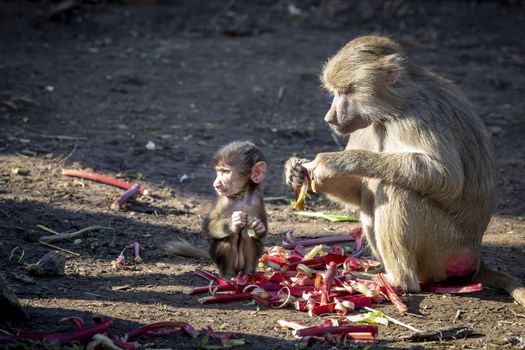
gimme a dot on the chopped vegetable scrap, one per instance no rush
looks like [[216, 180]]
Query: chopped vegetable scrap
[[124, 197], [439, 288], [102, 178], [301, 192], [99, 335], [314, 276], [121, 261], [392, 295], [317, 280], [327, 216]]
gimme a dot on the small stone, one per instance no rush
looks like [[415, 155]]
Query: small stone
[[150, 146], [49, 265]]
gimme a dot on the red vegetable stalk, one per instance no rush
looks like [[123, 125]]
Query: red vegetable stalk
[[322, 309], [358, 234], [124, 197], [327, 282], [209, 276], [101, 178], [77, 321], [169, 327], [316, 262], [261, 301], [206, 289], [288, 324], [320, 331], [437, 288], [322, 240], [227, 339], [329, 276], [358, 301], [361, 335], [392, 295], [79, 334], [224, 298]]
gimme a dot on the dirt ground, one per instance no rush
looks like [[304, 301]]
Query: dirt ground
[[89, 87]]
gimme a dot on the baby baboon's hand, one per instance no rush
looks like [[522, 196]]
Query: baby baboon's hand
[[258, 226], [239, 219]]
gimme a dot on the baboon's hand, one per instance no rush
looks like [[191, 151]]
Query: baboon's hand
[[318, 170], [239, 219], [258, 226], [294, 171]]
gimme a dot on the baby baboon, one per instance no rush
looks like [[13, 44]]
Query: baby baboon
[[237, 222]]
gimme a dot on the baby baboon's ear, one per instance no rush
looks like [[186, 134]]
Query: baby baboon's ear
[[259, 171]]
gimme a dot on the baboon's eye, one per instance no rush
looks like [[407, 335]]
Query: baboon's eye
[[379, 52], [348, 90], [368, 52]]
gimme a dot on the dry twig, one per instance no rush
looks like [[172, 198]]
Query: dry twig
[[56, 237], [58, 248]]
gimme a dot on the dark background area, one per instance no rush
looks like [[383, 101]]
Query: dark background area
[[87, 84]]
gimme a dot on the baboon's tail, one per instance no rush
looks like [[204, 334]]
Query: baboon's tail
[[501, 280], [183, 248]]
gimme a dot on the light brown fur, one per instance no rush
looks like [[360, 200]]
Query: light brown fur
[[418, 163], [239, 205]]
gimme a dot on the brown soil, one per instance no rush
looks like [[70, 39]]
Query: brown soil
[[89, 87]]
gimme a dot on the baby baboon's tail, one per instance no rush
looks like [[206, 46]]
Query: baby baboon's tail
[[183, 248]]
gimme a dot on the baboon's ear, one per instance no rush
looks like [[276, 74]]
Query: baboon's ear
[[259, 171], [395, 66]]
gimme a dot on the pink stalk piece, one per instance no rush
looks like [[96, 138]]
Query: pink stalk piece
[[206, 289], [321, 331], [190, 330], [359, 302], [157, 329], [123, 344], [136, 251], [227, 339], [329, 277], [209, 276], [316, 262], [124, 197], [35, 335], [392, 295], [361, 335], [438, 288], [358, 234], [261, 301], [322, 240], [101, 178], [77, 321], [223, 298], [288, 324], [277, 277], [322, 309], [80, 334], [277, 260]]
